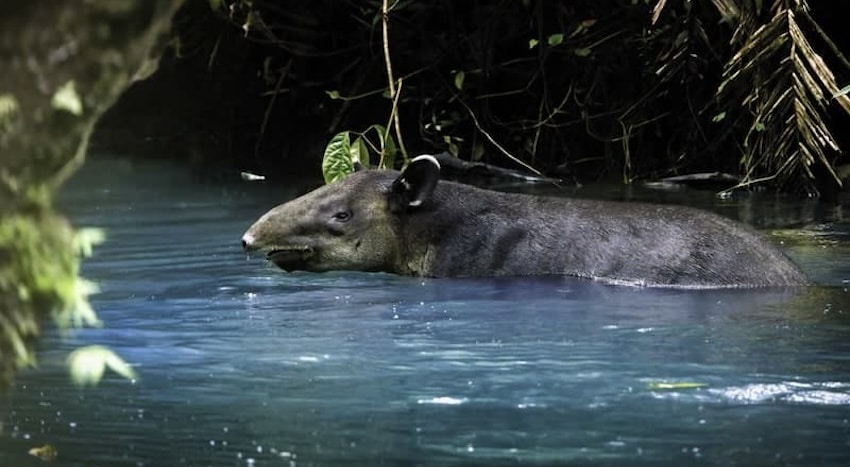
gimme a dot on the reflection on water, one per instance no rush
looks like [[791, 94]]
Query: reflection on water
[[242, 364]]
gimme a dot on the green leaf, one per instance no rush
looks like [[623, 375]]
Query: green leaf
[[532, 43], [555, 39], [67, 99], [459, 77], [81, 311], [359, 152], [390, 150], [387, 159], [86, 238], [583, 52], [719, 117], [337, 161], [333, 94]]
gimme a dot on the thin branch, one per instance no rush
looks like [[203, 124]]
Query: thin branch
[[391, 81], [494, 142], [393, 118], [269, 108]]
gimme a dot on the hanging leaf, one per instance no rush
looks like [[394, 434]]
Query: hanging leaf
[[337, 161], [359, 152], [390, 150], [388, 146], [459, 77]]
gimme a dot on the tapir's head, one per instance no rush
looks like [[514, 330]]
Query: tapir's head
[[346, 225]]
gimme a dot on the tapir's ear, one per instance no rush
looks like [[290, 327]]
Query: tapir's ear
[[358, 167], [415, 184]]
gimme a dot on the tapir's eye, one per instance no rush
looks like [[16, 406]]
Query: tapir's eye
[[342, 216]]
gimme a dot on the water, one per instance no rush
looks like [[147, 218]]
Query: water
[[243, 365]]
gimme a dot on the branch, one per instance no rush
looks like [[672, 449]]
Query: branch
[[386, 40]]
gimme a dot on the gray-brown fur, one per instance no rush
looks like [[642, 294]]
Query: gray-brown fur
[[459, 230]]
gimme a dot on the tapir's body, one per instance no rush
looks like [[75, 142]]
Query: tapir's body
[[410, 224]]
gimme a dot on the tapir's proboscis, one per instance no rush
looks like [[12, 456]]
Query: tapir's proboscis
[[411, 223]]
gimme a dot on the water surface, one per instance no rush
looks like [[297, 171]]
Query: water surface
[[243, 365]]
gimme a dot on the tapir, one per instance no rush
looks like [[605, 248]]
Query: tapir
[[414, 224]]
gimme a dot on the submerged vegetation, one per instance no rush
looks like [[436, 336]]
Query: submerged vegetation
[[588, 89]]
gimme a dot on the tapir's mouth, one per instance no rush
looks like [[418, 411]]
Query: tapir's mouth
[[290, 258]]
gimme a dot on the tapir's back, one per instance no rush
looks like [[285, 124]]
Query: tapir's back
[[483, 233]]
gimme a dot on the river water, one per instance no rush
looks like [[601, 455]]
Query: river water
[[241, 364]]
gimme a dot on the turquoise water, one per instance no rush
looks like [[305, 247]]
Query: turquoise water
[[243, 365]]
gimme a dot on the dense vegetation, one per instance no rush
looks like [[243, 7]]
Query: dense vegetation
[[57, 80], [586, 89]]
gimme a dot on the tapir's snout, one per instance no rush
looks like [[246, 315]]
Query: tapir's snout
[[249, 243]]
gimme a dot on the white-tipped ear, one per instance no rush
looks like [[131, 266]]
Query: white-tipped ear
[[426, 157], [416, 183]]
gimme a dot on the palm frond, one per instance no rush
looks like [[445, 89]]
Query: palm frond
[[785, 88]]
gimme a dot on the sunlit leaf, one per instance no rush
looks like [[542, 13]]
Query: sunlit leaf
[[85, 239], [67, 99], [337, 162], [87, 365], [719, 117], [82, 312], [359, 152], [333, 94], [532, 43]]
